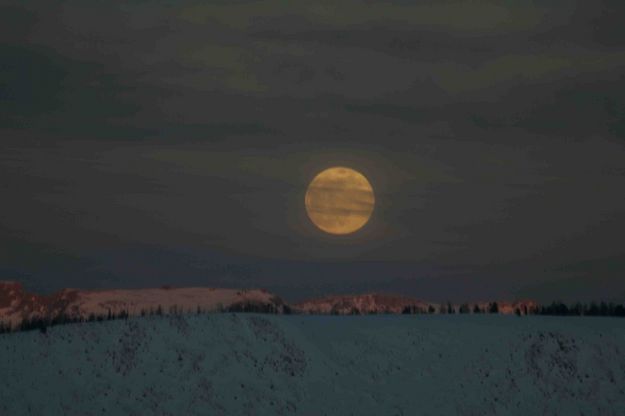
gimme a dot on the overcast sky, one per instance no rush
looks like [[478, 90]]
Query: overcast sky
[[150, 143]]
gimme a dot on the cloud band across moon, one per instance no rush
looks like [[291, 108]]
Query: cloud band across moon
[[339, 200]]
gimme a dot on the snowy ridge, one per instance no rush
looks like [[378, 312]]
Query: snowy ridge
[[16, 305]]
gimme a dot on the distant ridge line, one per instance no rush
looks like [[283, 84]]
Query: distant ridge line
[[22, 310]]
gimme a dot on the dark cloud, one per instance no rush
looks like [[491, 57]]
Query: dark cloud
[[144, 144]]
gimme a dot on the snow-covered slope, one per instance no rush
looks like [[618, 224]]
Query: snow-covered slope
[[249, 364], [17, 305]]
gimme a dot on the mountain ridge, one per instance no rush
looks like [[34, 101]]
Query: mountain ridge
[[17, 305]]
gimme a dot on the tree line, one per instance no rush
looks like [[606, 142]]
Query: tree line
[[555, 308], [448, 308], [42, 323], [582, 309]]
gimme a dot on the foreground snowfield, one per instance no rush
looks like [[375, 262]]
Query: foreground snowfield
[[249, 364]]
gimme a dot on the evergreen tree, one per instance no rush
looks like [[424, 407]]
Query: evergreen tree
[[493, 308], [603, 309], [576, 309]]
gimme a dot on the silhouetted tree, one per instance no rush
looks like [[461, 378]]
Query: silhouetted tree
[[411, 310], [603, 309], [576, 309], [493, 307]]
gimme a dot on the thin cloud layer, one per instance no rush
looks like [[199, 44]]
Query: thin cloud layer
[[184, 132]]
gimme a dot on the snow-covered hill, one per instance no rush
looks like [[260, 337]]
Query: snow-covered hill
[[249, 364], [17, 305]]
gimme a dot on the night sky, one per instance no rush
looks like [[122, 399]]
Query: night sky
[[153, 143]]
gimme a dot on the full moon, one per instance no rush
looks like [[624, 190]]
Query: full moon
[[339, 200]]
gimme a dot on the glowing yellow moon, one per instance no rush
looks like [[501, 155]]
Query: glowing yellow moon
[[339, 200]]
